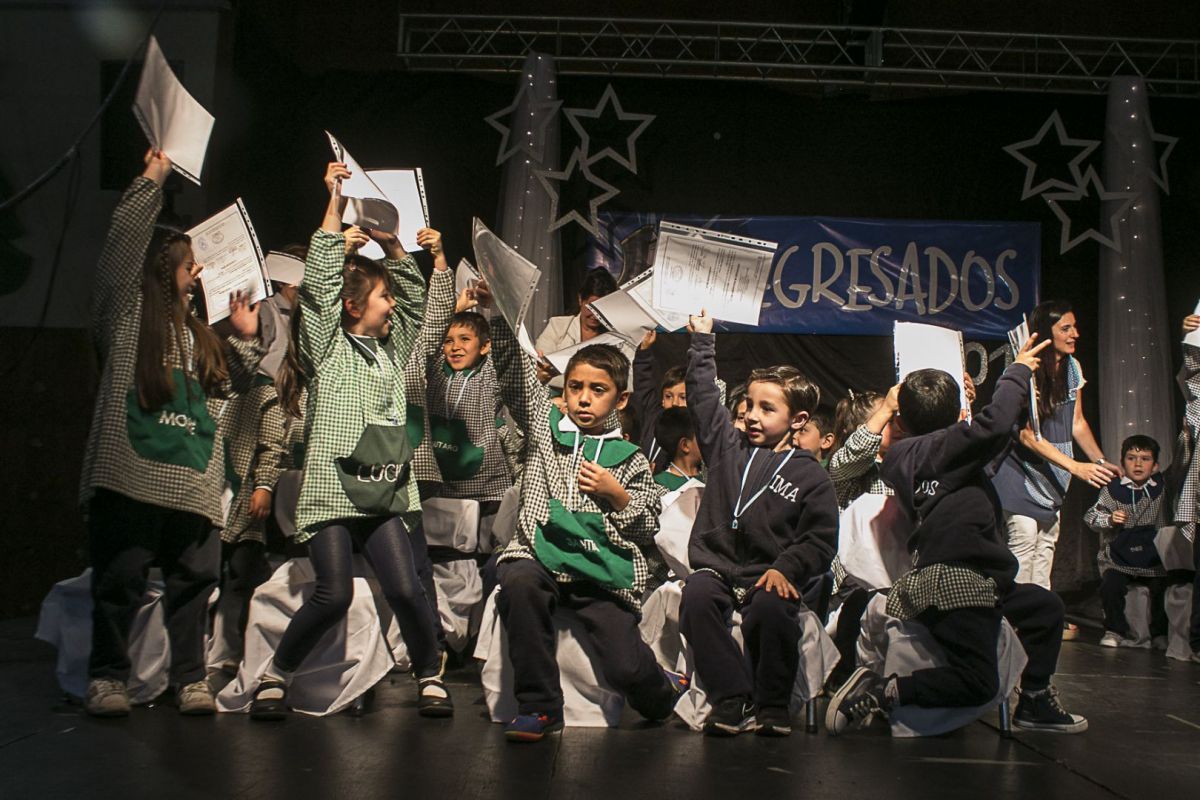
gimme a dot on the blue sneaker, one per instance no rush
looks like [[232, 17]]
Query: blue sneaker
[[533, 727], [679, 682]]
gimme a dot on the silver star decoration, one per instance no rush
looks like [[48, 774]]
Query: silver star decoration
[[1086, 147], [1159, 176], [629, 160], [577, 162], [543, 112], [1090, 181]]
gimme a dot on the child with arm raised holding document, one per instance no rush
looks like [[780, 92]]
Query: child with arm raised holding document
[[359, 320], [962, 580], [153, 472], [588, 506], [766, 525]]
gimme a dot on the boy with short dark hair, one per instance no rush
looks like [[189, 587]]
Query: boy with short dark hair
[[816, 435], [1128, 515], [767, 524], [962, 581], [677, 436], [653, 394], [588, 506]]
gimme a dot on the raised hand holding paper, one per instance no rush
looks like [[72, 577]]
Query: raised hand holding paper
[[1193, 338], [226, 245], [919, 346], [170, 117], [1017, 338], [510, 277], [722, 272]]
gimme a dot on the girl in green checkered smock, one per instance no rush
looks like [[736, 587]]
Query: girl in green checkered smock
[[359, 320]]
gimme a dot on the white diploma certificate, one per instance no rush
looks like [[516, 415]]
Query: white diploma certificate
[[170, 117], [723, 273], [919, 346], [227, 247]]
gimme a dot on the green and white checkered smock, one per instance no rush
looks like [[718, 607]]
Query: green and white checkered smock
[[193, 483], [350, 386], [253, 429], [555, 454]]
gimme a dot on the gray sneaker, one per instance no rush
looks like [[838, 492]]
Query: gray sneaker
[[106, 697], [196, 699]]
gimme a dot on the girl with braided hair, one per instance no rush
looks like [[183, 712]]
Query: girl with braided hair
[[152, 473]]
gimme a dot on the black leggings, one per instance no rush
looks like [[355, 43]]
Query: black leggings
[[392, 554]]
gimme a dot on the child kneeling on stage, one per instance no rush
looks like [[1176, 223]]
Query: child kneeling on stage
[[962, 581], [588, 506], [1127, 515], [767, 524]]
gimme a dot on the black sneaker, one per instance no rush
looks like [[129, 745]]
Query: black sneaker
[[731, 717], [773, 721], [270, 701], [858, 702], [1041, 711]]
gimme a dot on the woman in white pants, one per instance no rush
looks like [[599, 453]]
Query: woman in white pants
[[1033, 476]]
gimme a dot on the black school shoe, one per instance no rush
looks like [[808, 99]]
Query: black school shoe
[[433, 700], [270, 701], [730, 717], [1041, 711], [773, 721], [858, 702]]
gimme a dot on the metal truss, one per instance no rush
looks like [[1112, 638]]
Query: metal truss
[[900, 58]]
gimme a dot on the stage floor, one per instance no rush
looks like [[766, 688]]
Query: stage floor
[[1144, 742]]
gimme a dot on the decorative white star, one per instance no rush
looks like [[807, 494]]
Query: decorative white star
[[1090, 181], [546, 176], [1159, 176], [534, 140], [629, 159], [1086, 147]]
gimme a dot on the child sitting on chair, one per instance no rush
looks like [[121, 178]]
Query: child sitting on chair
[[962, 581], [767, 524], [588, 506], [1128, 515]]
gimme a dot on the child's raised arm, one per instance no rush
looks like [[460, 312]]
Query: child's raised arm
[[645, 382], [319, 291], [409, 287], [714, 430], [439, 302], [119, 272], [528, 401], [858, 452]]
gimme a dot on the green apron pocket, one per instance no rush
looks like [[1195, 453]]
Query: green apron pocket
[[414, 421], [181, 433], [375, 475], [575, 544], [457, 456]]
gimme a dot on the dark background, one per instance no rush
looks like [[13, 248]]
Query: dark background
[[294, 70]]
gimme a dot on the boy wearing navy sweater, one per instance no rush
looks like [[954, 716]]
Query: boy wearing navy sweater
[[962, 581], [766, 525]]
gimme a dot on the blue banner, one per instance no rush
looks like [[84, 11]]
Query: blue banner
[[859, 276]]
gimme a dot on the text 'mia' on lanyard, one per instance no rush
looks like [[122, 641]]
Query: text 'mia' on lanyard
[[738, 508]]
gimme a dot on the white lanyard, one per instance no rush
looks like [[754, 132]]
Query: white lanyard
[[674, 466], [738, 508], [453, 407]]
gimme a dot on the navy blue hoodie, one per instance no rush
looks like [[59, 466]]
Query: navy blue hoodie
[[940, 480], [793, 525]]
